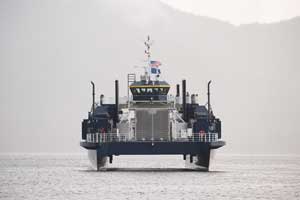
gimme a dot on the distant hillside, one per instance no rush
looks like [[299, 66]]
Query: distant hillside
[[50, 50]]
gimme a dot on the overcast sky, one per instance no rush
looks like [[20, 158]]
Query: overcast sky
[[241, 11]]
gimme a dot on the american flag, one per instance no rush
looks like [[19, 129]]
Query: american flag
[[155, 63]]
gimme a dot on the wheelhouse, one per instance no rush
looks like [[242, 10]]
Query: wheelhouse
[[154, 91]]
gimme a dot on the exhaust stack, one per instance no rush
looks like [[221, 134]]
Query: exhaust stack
[[177, 90], [184, 99], [101, 99], [208, 99], [116, 102], [93, 94]]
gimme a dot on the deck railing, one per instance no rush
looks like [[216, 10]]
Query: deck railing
[[121, 137]]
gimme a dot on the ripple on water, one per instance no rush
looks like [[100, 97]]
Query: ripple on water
[[148, 177]]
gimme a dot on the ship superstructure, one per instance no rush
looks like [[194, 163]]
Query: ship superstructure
[[151, 122]]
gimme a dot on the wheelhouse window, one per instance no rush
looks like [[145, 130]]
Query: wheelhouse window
[[150, 91]]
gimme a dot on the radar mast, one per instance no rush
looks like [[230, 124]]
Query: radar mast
[[148, 43]]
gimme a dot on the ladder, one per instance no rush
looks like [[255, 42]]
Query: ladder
[[131, 78]]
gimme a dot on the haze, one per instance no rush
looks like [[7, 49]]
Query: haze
[[241, 11], [50, 51]]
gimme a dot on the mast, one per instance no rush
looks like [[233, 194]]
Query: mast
[[148, 45]]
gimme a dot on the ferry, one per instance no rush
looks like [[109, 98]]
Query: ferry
[[150, 121]]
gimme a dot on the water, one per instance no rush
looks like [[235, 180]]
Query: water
[[149, 177]]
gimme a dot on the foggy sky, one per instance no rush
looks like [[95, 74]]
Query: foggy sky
[[51, 50], [241, 11]]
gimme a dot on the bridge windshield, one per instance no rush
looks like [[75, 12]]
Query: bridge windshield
[[150, 91], [142, 93]]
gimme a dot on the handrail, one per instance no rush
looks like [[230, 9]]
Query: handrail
[[123, 137]]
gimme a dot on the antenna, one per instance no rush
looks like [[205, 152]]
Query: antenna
[[148, 43]]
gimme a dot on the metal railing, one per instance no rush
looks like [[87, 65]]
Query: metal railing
[[202, 137], [124, 137]]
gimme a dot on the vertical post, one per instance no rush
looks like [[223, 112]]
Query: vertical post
[[116, 103], [152, 127], [184, 99], [208, 100], [177, 90], [171, 132], [101, 99], [93, 93], [128, 76]]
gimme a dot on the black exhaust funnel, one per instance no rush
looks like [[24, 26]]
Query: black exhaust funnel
[[177, 90], [101, 99], [93, 105], [116, 102], [184, 99], [208, 99]]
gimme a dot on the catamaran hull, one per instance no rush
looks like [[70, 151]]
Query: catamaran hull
[[197, 155], [97, 162], [201, 161]]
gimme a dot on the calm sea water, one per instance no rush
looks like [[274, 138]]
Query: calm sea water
[[149, 177]]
